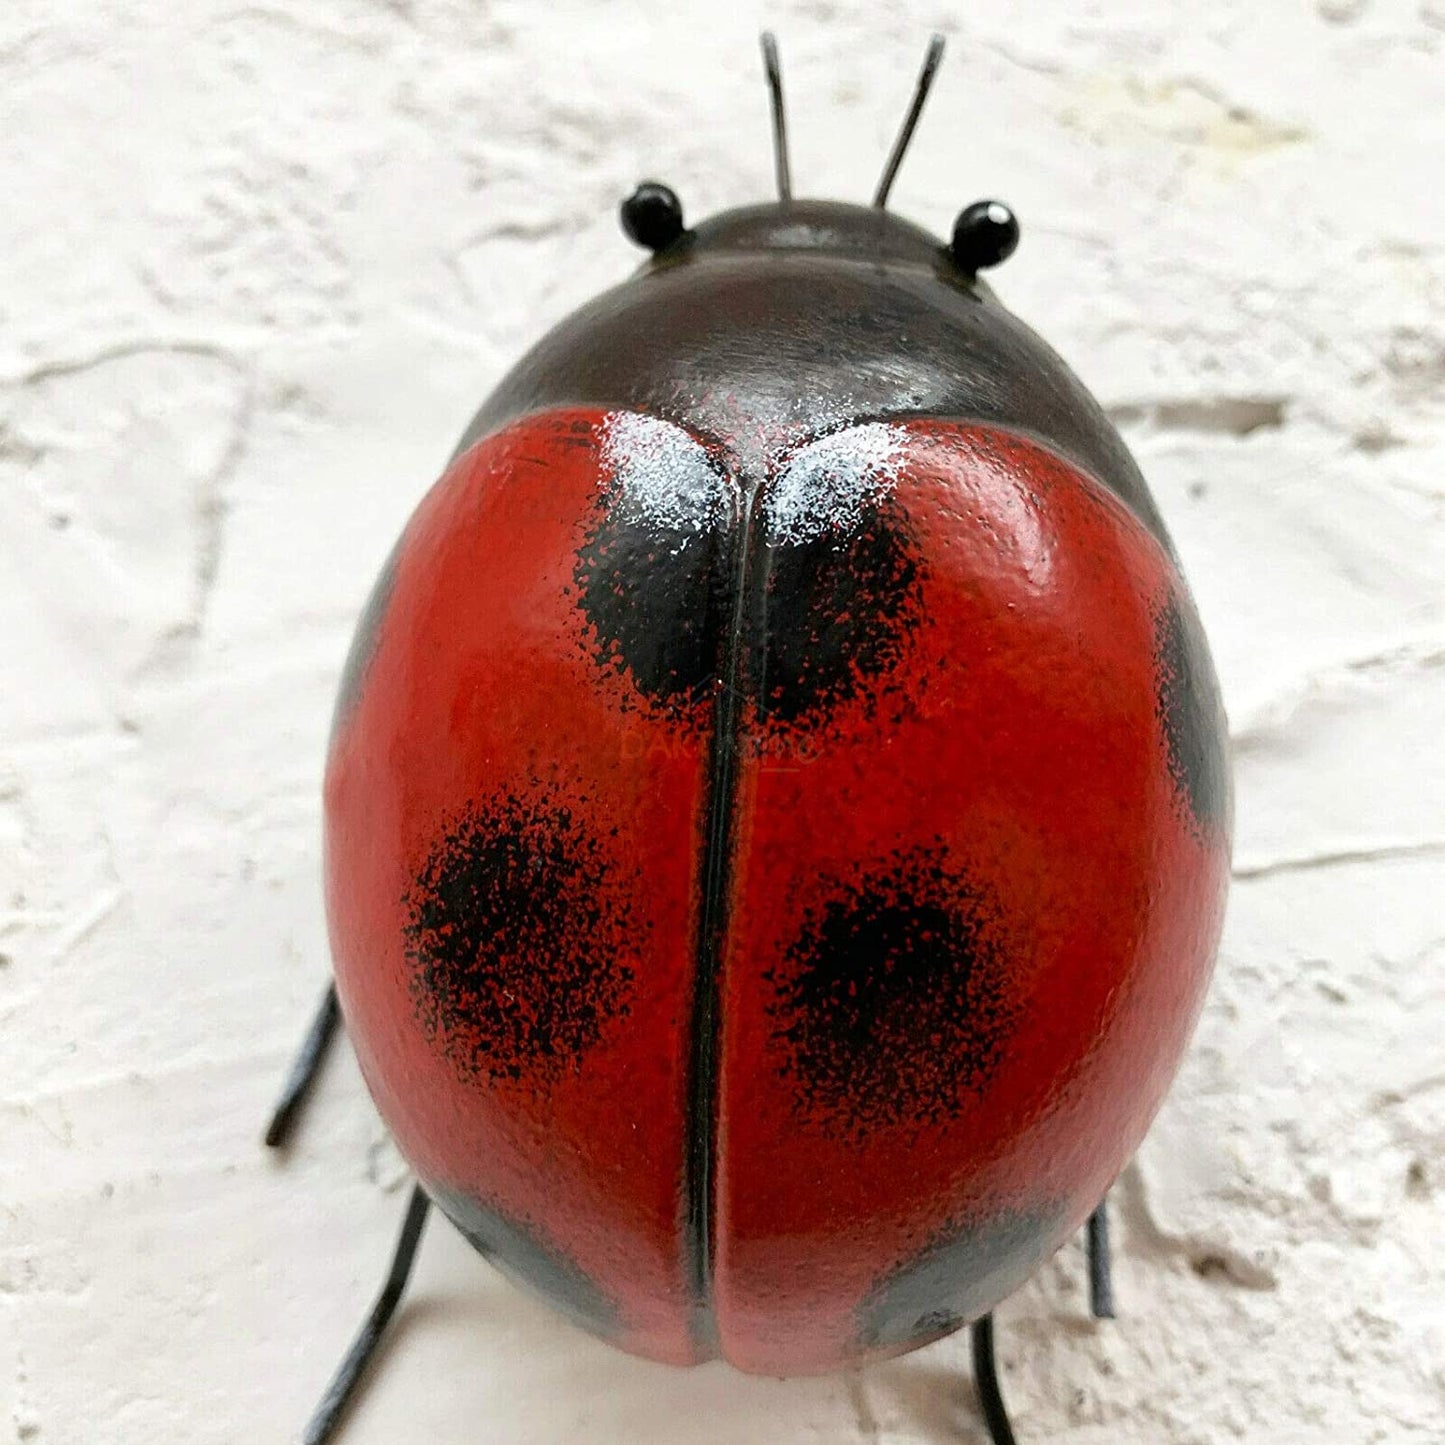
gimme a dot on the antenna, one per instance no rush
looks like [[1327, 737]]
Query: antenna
[[910, 121], [780, 120]]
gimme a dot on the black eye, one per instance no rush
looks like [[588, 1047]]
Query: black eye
[[652, 216], [984, 234]]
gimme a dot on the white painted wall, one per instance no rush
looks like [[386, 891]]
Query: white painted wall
[[258, 262]]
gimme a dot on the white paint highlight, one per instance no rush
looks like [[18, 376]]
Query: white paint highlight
[[824, 487], [663, 476]]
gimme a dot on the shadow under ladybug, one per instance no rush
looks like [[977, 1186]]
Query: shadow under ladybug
[[781, 754]]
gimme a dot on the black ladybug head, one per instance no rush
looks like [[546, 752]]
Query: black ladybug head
[[985, 233]]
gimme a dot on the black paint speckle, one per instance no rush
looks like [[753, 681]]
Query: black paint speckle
[[521, 1255], [519, 934], [838, 576], [1192, 716], [652, 601], [961, 1275], [840, 607], [892, 1004], [652, 574]]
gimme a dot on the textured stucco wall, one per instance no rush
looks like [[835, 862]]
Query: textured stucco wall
[[258, 262]]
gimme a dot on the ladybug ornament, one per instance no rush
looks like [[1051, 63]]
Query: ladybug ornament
[[777, 810]]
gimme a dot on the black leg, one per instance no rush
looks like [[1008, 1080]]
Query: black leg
[[1101, 1277], [304, 1070], [985, 1381], [338, 1394], [1101, 1302]]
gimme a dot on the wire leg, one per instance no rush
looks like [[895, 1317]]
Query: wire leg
[[985, 1381], [780, 119], [985, 1366], [329, 1412], [1101, 1277], [304, 1070]]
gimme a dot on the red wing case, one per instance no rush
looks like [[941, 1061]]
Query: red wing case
[[978, 860], [516, 798], [768, 928]]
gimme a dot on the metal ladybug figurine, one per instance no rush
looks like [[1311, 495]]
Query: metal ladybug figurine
[[777, 811]]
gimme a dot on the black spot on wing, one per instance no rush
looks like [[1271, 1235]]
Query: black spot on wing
[[365, 638], [519, 933], [521, 1254], [652, 574], [1191, 715], [842, 575], [959, 1276], [840, 607], [652, 598], [892, 1004]]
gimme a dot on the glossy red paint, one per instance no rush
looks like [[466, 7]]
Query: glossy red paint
[[1019, 739], [876, 941], [481, 683]]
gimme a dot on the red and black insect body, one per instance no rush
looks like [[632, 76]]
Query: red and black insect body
[[777, 815]]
